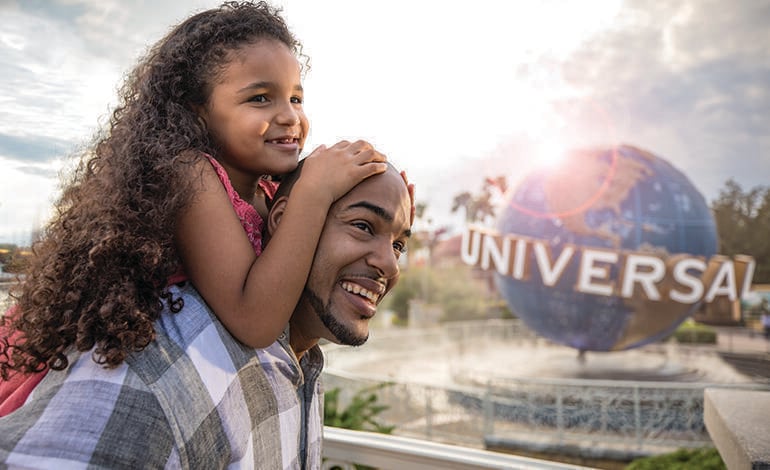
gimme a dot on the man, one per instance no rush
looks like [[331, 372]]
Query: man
[[195, 397], [766, 325]]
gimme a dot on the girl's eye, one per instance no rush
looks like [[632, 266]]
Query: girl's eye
[[258, 99], [296, 100]]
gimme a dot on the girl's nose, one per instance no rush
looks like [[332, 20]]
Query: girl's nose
[[288, 115]]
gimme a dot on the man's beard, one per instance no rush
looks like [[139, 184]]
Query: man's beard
[[343, 334]]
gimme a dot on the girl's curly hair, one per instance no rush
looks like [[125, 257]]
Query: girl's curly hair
[[99, 271]]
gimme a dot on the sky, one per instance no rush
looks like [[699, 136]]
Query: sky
[[452, 92]]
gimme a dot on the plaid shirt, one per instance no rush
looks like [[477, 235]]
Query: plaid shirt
[[194, 398]]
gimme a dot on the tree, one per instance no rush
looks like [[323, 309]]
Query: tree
[[743, 224], [13, 259], [7, 251], [425, 235], [481, 206], [452, 288], [419, 210]]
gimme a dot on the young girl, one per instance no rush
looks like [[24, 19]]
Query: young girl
[[212, 111]]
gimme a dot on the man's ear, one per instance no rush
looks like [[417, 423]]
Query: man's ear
[[274, 217]]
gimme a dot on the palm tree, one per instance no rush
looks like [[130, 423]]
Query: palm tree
[[464, 200], [481, 206]]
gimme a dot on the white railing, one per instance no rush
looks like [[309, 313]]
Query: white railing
[[343, 449]]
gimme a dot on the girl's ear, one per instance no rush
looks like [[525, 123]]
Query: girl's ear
[[274, 217], [200, 111]]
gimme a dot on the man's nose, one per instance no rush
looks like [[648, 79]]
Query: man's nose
[[384, 259]]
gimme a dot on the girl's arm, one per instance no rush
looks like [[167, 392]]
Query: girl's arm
[[252, 296]]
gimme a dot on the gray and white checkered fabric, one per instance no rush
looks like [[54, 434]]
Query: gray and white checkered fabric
[[194, 398]]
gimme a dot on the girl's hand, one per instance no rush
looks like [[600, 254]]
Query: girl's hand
[[332, 172], [410, 188]]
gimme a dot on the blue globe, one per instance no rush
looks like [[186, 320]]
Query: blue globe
[[616, 200]]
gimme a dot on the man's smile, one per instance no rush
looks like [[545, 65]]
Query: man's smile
[[372, 293]]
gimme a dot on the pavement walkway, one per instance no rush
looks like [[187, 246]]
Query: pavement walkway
[[742, 340]]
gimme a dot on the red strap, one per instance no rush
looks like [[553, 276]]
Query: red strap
[[15, 390]]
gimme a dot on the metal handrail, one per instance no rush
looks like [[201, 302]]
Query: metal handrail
[[344, 448]]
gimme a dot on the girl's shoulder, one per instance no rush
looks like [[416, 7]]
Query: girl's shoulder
[[250, 219], [222, 174]]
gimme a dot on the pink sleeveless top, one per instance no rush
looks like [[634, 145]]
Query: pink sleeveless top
[[14, 391], [250, 219]]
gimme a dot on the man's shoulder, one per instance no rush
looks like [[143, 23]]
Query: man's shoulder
[[191, 388], [191, 340], [82, 416]]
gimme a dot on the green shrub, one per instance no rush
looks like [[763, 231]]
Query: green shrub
[[682, 459], [359, 415], [691, 332], [361, 412]]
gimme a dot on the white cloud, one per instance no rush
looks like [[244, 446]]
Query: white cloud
[[51, 88], [25, 200], [450, 91]]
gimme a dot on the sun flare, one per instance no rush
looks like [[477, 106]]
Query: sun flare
[[550, 156]]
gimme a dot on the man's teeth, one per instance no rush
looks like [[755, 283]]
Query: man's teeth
[[358, 290]]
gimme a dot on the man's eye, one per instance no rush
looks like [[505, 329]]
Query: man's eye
[[399, 247], [363, 226]]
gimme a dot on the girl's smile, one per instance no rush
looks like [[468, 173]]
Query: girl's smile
[[255, 114]]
